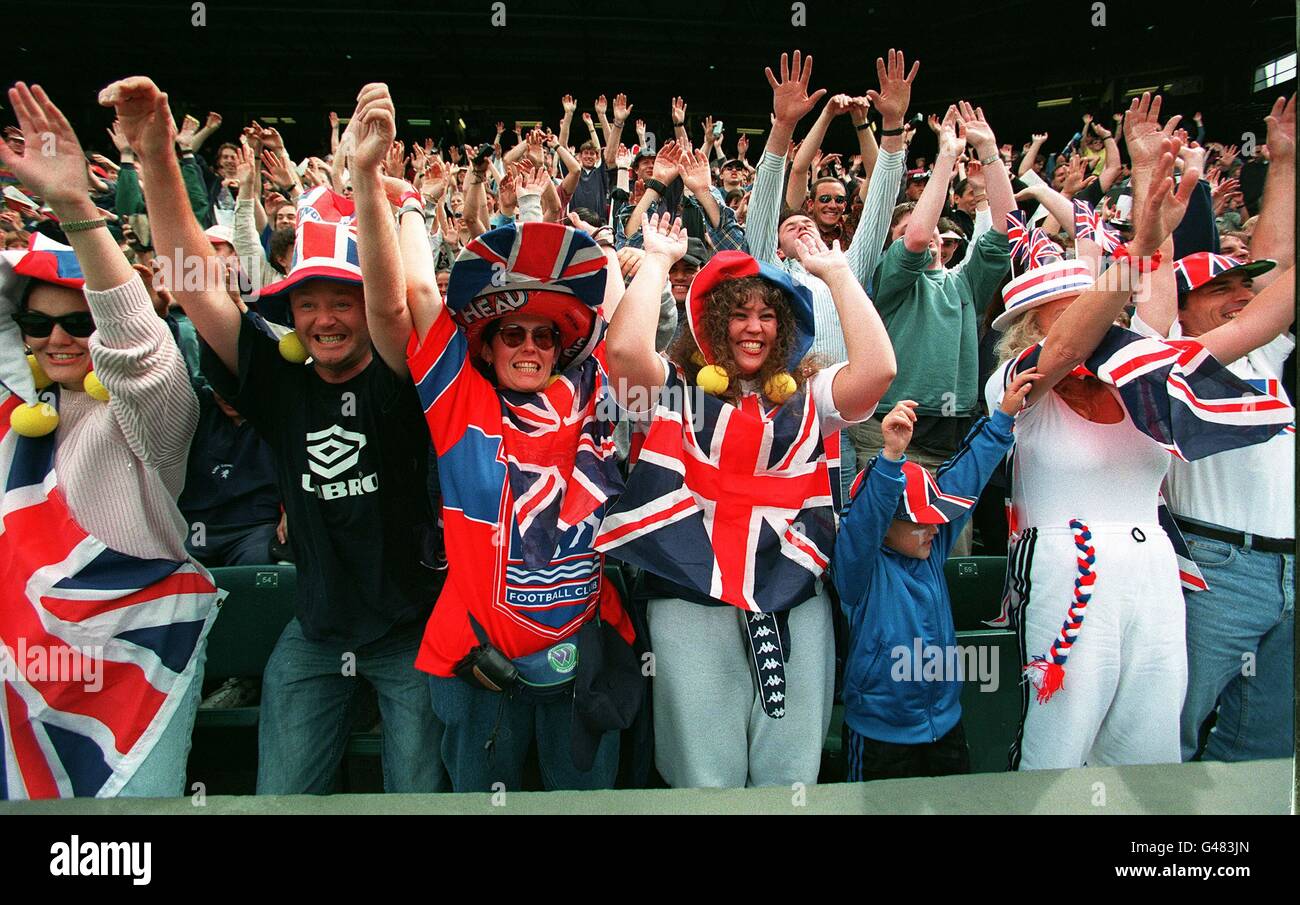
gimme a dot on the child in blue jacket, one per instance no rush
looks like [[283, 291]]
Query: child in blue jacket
[[903, 718]]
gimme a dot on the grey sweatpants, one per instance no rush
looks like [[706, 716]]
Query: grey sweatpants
[[710, 728]]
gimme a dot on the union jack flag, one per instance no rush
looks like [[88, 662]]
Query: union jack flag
[[738, 505], [1195, 270], [1042, 249], [1271, 386], [1089, 224], [324, 205], [560, 457], [1179, 395], [125, 631], [1017, 235]]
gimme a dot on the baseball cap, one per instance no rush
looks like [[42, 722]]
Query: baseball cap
[[1195, 270]]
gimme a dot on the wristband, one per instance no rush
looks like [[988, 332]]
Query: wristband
[[888, 132], [867, 125], [619, 122], [657, 186], [991, 159], [1141, 265], [81, 226]]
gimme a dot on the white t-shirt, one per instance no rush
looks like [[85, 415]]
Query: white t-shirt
[[1251, 489], [1068, 467]]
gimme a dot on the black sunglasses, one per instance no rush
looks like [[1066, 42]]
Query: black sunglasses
[[832, 199], [543, 337], [79, 323]]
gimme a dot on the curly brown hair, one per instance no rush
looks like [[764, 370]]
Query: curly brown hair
[[717, 316]]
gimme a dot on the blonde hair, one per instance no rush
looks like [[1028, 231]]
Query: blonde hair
[[1020, 335]]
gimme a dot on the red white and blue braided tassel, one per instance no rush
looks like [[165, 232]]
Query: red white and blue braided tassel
[[1048, 672]]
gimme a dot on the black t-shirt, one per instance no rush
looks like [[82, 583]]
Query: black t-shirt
[[230, 479], [351, 462]]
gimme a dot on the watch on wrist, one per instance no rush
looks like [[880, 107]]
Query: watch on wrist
[[991, 159], [889, 132]]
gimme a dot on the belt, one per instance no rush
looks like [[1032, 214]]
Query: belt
[[1237, 538]]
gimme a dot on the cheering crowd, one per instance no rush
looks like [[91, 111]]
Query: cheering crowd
[[582, 442]]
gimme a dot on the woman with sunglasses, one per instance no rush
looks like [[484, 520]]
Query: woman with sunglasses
[[94, 432], [509, 371]]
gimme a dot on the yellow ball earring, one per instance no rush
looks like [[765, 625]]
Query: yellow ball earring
[[780, 387], [713, 380], [34, 420], [94, 388], [292, 349]]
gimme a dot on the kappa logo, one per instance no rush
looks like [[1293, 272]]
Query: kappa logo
[[334, 451]]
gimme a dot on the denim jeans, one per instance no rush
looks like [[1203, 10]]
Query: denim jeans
[[310, 699], [1248, 610], [162, 773], [473, 716]]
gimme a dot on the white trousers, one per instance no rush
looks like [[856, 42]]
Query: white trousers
[[1126, 674]]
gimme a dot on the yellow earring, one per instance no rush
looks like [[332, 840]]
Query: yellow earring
[[780, 387], [713, 379], [292, 349], [94, 388]]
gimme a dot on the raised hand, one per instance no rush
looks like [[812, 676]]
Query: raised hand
[[59, 176], [979, 134], [271, 139], [507, 189], [678, 112], [213, 122], [790, 99], [1192, 155], [896, 429], [1076, 176], [1101, 131], [601, 106], [623, 157], [277, 172], [532, 179], [976, 177], [1281, 129], [394, 163], [933, 122], [708, 133], [1143, 133], [434, 182], [952, 139], [334, 120], [1162, 209], [895, 90], [665, 163], [185, 137], [694, 167], [143, 115], [377, 126], [586, 118], [663, 237], [858, 109], [570, 106], [1228, 155], [839, 104], [1040, 137], [742, 146], [118, 137], [245, 169], [622, 109], [817, 259]]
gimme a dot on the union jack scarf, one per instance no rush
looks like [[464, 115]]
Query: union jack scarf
[[96, 647], [1089, 224], [560, 457]]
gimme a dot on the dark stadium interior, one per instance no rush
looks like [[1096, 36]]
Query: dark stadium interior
[[446, 62]]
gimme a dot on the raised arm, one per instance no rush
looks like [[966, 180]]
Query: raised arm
[[871, 366], [146, 120], [570, 107], [1076, 332], [387, 315], [979, 134], [1274, 235], [1027, 161], [925, 216], [614, 133], [796, 190], [635, 369], [678, 114], [665, 173]]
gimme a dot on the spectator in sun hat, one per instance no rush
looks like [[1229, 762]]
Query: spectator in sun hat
[[350, 450], [1094, 575], [896, 534], [1236, 508]]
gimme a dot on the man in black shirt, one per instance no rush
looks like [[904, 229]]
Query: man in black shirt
[[350, 447]]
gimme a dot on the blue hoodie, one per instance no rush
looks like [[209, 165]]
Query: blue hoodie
[[891, 600]]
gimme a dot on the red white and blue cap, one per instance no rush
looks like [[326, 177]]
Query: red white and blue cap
[[1039, 285], [325, 248], [46, 261], [1195, 270], [922, 502], [543, 269], [732, 265]]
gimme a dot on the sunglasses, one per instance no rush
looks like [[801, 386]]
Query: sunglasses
[[831, 199], [514, 335], [79, 323]]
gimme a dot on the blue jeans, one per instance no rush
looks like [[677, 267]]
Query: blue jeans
[[309, 702], [1249, 609], [472, 715], [162, 773]]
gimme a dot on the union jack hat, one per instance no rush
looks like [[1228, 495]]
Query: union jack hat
[[1195, 270], [325, 248], [50, 262], [1053, 280], [45, 261], [922, 501], [732, 265], [544, 269]]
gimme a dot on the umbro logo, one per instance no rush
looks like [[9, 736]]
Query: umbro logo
[[332, 451]]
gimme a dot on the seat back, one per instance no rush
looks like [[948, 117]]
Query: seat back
[[259, 604]]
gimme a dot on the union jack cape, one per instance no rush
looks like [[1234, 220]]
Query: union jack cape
[[731, 501], [67, 598]]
